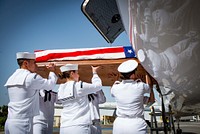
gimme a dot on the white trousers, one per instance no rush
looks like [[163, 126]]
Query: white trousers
[[79, 129], [19, 126], [43, 127], [129, 126]]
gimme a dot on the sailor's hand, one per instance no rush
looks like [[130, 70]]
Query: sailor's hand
[[51, 67], [94, 69], [149, 80]]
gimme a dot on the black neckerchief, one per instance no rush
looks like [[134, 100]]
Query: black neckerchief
[[47, 95]]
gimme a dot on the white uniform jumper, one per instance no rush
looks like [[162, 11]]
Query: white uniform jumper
[[130, 110], [76, 117], [43, 123], [23, 87], [96, 99]]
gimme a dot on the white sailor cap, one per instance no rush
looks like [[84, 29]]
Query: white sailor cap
[[25, 55], [69, 67], [127, 66]]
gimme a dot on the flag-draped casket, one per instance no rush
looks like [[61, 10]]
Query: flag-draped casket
[[108, 58]]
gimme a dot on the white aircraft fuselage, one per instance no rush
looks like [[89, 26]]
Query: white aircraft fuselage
[[165, 36]]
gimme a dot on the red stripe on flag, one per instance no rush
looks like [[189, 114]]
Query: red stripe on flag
[[78, 53]]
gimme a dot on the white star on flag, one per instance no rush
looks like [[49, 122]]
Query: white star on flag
[[130, 51]]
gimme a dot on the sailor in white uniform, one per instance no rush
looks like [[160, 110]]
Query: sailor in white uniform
[[76, 116], [129, 101], [43, 123], [23, 87], [96, 99]]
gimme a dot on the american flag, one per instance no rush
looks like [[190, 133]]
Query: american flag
[[85, 53]]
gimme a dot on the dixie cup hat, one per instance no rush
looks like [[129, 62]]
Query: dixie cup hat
[[128, 66], [69, 67], [25, 55]]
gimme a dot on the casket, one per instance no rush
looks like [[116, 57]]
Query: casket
[[108, 58]]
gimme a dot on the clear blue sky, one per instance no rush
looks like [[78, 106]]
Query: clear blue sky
[[28, 25]]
